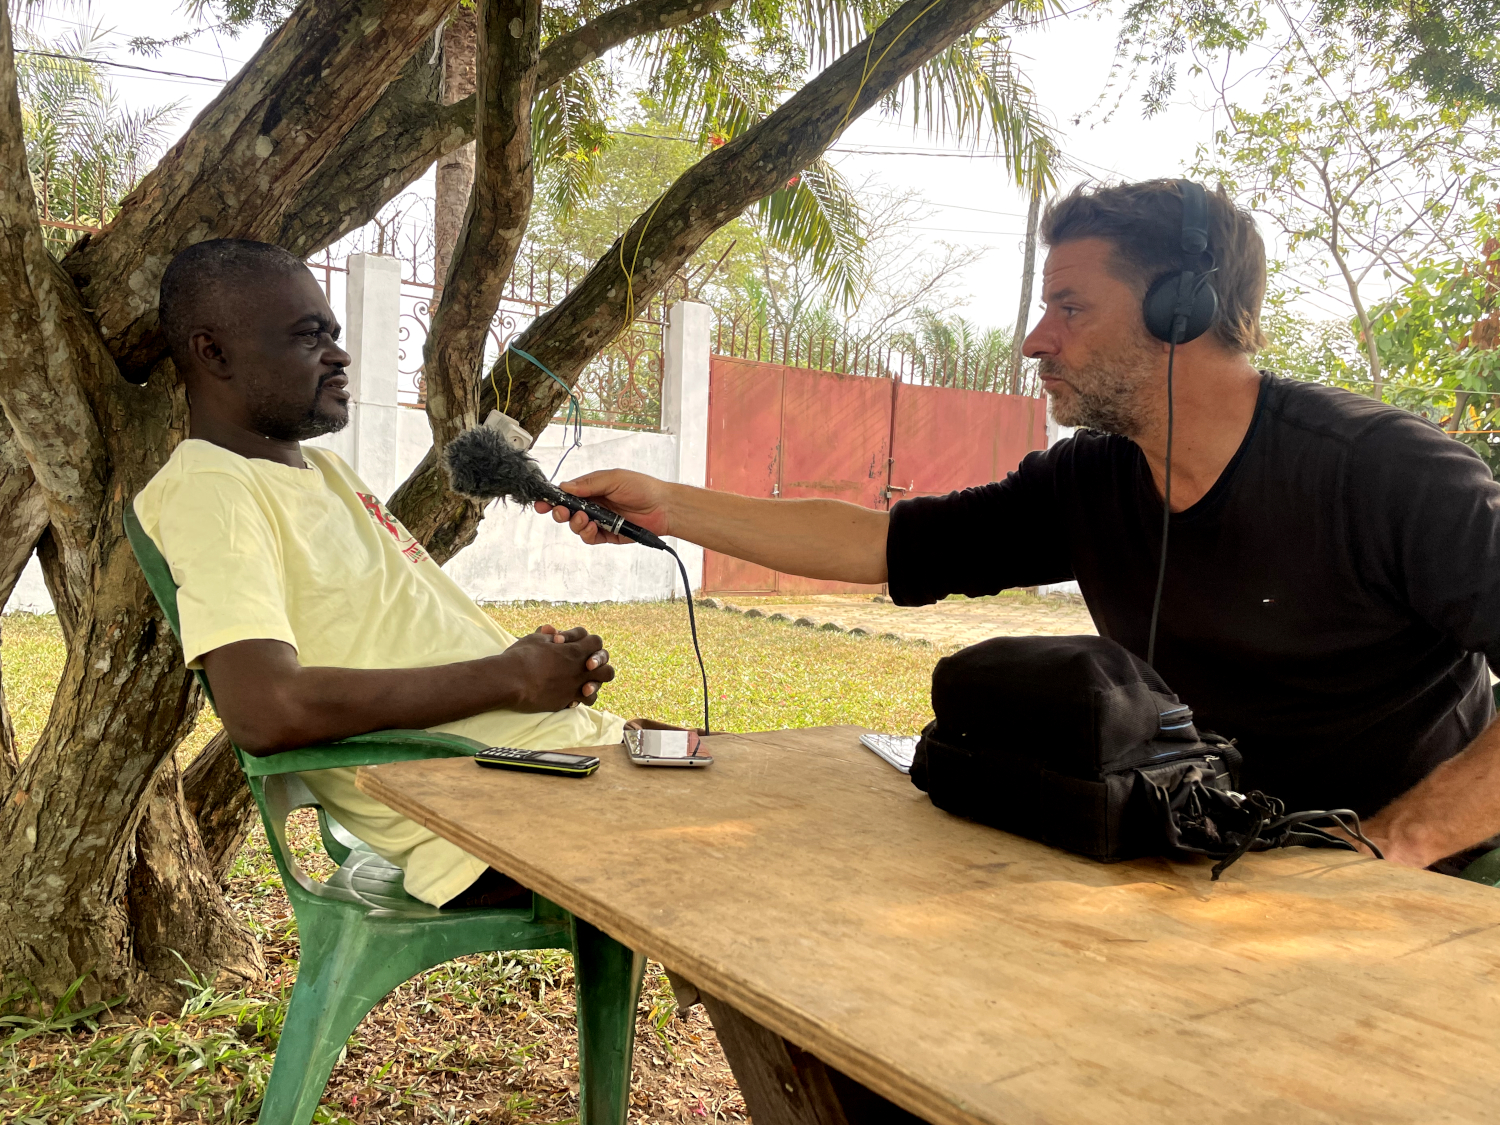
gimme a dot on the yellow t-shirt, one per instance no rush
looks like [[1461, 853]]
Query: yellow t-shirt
[[260, 550]]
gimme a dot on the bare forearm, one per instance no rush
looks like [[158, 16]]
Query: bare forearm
[[270, 703], [322, 704], [1453, 808], [814, 538]]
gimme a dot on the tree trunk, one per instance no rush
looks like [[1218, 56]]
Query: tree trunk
[[220, 804], [23, 518], [100, 788], [179, 918], [455, 171], [1028, 275]]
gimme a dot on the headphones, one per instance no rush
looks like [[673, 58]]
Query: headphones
[[1181, 306]]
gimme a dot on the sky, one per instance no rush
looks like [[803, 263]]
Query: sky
[[972, 203]]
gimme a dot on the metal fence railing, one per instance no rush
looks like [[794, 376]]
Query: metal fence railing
[[896, 356]]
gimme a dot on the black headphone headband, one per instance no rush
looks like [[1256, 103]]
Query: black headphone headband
[[1181, 305]]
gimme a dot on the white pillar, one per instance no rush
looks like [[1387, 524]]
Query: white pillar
[[684, 406], [372, 314]]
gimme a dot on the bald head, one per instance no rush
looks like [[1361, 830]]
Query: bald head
[[208, 283]]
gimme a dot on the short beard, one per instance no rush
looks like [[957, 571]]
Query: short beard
[[275, 420], [1109, 392]]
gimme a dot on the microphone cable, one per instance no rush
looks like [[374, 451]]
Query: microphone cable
[[687, 592], [1166, 514]]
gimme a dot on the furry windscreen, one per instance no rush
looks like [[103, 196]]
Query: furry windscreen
[[482, 464]]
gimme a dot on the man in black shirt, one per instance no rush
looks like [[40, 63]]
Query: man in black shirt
[[1332, 596]]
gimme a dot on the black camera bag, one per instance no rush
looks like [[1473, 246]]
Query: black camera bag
[[1076, 742]]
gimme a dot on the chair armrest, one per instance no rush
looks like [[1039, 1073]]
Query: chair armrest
[[1485, 869], [373, 749]]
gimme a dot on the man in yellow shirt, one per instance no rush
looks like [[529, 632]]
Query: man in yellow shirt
[[312, 611]]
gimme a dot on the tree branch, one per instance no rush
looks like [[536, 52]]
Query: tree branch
[[393, 144], [23, 517], [220, 803], [46, 341], [240, 166], [713, 192], [583, 45], [408, 128], [499, 208]]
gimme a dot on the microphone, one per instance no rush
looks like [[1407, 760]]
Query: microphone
[[481, 464]]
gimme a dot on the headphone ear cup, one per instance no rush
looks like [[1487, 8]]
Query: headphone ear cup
[[1161, 303]]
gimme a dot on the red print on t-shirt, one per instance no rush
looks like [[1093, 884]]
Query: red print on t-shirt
[[404, 539]]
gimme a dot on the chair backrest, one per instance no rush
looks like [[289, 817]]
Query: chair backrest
[[159, 579], [276, 795]]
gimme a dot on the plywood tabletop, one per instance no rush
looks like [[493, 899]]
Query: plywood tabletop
[[972, 976]]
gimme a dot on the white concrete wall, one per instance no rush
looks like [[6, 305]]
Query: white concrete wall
[[521, 555], [30, 594], [684, 408], [372, 314]]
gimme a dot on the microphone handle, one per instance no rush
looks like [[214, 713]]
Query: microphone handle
[[612, 522]]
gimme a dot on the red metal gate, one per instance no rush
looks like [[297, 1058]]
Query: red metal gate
[[777, 431]]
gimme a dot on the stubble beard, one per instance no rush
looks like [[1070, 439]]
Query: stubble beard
[[1109, 392], [282, 421]]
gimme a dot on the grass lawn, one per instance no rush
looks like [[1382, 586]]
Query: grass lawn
[[487, 1039]]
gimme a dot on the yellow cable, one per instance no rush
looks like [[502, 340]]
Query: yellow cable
[[630, 272], [869, 69], [509, 382]]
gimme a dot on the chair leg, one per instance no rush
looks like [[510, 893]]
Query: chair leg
[[338, 982], [608, 979]]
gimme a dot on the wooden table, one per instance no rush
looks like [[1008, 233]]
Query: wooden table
[[972, 976]]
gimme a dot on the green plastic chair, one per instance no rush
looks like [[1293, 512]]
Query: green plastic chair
[[363, 936], [1485, 869]]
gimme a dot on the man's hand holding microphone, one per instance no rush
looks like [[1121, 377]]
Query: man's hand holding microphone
[[815, 538]]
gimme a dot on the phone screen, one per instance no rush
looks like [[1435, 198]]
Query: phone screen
[[661, 745], [552, 758]]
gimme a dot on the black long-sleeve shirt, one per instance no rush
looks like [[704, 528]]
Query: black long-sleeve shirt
[[1330, 603]]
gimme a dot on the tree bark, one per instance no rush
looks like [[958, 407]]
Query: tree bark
[[455, 170], [179, 918], [498, 211], [713, 192], [581, 46], [23, 518], [1028, 275], [220, 804]]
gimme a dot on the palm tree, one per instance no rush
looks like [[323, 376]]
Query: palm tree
[[951, 351], [85, 151]]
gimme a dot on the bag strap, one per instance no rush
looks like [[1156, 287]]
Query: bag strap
[[1270, 820]]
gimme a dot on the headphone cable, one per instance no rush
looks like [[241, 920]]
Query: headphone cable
[[1166, 513]]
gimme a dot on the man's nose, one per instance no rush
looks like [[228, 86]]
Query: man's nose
[[336, 356], [1041, 341]]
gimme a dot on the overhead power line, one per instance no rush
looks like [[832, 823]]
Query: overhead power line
[[119, 65]]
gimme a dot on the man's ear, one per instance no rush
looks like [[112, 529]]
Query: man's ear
[[207, 354]]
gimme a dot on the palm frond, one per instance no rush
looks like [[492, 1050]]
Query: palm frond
[[84, 150], [569, 133], [817, 217]]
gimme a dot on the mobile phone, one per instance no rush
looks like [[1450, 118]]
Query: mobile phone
[[537, 761], [682, 748]]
